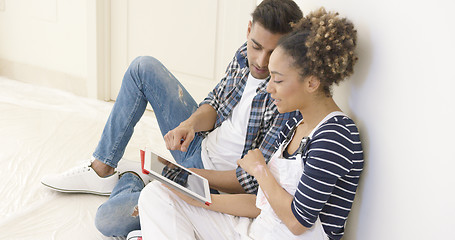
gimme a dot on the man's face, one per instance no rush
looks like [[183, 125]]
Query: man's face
[[260, 45]]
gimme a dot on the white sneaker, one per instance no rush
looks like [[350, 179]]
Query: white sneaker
[[134, 235], [82, 179]]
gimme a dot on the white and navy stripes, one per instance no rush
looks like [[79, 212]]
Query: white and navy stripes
[[333, 162]]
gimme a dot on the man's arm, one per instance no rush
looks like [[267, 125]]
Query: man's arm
[[224, 181], [203, 119]]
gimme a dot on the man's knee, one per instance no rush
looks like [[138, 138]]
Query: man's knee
[[146, 70], [145, 62], [103, 221], [114, 220]]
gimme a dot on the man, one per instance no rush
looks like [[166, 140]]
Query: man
[[209, 138]]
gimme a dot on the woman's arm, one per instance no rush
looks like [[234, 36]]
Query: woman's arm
[[242, 205], [279, 199], [224, 181]]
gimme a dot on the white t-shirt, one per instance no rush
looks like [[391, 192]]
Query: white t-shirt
[[224, 145]]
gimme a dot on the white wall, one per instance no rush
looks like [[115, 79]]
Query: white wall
[[195, 47], [401, 96], [45, 41]]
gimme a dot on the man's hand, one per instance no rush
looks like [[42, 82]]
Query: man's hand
[[203, 119], [254, 163], [179, 138]]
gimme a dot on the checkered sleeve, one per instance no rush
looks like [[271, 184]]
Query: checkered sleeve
[[214, 98], [248, 182], [211, 98]]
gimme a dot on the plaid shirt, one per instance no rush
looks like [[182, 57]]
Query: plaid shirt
[[265, 122]]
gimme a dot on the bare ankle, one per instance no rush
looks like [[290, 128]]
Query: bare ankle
[[101, 168]]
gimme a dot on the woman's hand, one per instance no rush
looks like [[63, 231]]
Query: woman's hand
[[280, 200], [254, 163]]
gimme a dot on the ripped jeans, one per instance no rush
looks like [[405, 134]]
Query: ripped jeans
[[146, 80]]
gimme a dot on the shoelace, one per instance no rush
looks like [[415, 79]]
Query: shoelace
[[77, 170]]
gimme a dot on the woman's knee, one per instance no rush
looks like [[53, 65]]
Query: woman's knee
[[150, 196], [146, 195]]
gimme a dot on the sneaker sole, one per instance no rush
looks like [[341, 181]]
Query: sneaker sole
[[77, 191], [138, 237]]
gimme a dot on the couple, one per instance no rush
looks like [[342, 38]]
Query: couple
[[306, 189]]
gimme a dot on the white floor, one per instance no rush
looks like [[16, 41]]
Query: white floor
[[43, 131]]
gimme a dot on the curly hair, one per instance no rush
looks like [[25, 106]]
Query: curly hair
[[277, 15], [322, 45]]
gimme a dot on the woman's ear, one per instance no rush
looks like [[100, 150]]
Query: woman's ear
[[313, 84]]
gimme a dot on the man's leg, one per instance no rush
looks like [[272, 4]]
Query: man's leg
[[119, 215], [172, 104], [146, 80]]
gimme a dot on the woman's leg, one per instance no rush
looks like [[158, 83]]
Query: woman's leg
[[165, 216]]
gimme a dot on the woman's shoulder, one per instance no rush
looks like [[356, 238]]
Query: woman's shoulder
[[340, 124], [335, 146], [339, 131], [289, 126]]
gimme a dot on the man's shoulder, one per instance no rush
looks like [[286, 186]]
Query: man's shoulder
[[237, 69], [241, 56]]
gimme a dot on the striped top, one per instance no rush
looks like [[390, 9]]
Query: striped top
[[333, 161]]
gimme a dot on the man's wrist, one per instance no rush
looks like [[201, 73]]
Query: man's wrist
[[187, 124]]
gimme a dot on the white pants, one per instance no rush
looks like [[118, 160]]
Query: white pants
[[164, 215]]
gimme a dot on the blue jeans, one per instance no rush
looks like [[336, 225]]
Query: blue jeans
[[146, 80]]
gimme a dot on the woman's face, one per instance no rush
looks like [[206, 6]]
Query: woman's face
[[286, 85]]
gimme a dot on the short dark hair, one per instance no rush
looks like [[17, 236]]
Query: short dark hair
[[277, 15]]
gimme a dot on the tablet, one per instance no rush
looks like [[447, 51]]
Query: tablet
[[175, 176]]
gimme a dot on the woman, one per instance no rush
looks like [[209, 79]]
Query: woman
[[307, 188]]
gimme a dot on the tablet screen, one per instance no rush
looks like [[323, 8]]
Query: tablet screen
[[157, 165], [179, 175]]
